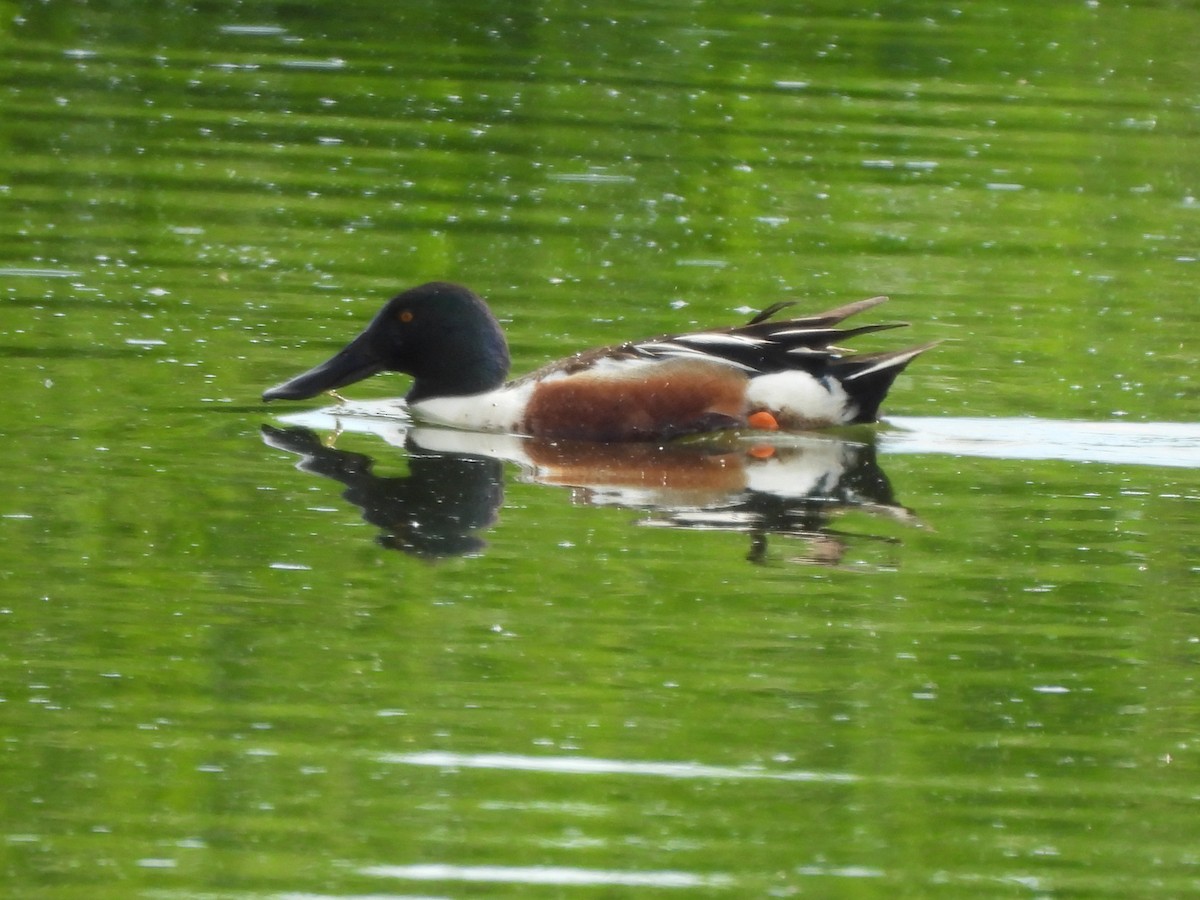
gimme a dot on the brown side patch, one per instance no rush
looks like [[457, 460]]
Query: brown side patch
[[644, 402]]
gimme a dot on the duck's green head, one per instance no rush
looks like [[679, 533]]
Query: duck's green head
[[440, 333]]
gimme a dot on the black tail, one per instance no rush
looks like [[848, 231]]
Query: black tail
[[867, 377]]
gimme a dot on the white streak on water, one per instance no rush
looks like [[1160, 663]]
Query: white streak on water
[[585, 765], [1175, 444], [20, 272], [561, 875]]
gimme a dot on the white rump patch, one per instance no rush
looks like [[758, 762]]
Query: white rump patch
[[799, 400]]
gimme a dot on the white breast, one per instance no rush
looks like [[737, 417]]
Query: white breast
[[499, 410]]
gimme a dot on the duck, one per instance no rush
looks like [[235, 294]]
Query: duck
[[768, 374]]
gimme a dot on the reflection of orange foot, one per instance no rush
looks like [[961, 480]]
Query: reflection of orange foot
[[761, 451], [763, 421]]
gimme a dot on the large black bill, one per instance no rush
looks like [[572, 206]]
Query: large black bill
[[354, 363]]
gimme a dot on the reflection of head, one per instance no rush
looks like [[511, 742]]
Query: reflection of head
[[429, 512]]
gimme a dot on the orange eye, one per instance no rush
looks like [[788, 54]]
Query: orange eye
[[406, 316]]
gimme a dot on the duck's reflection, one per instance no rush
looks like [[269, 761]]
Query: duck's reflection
[[432, 511], [792, 486]]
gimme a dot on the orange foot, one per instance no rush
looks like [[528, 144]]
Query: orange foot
[[763, 421]]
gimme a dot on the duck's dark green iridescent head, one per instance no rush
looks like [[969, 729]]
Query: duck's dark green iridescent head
[[441, 334]]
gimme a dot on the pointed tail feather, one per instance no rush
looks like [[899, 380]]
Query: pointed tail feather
[[834, 316], [829, 317], [794, 335], [867, 377]]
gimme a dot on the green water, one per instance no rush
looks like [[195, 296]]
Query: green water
[[969, 670]]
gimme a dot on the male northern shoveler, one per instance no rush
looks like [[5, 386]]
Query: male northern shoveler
[[764, 374]]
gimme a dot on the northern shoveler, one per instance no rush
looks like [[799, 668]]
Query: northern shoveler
[[765, 374]]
